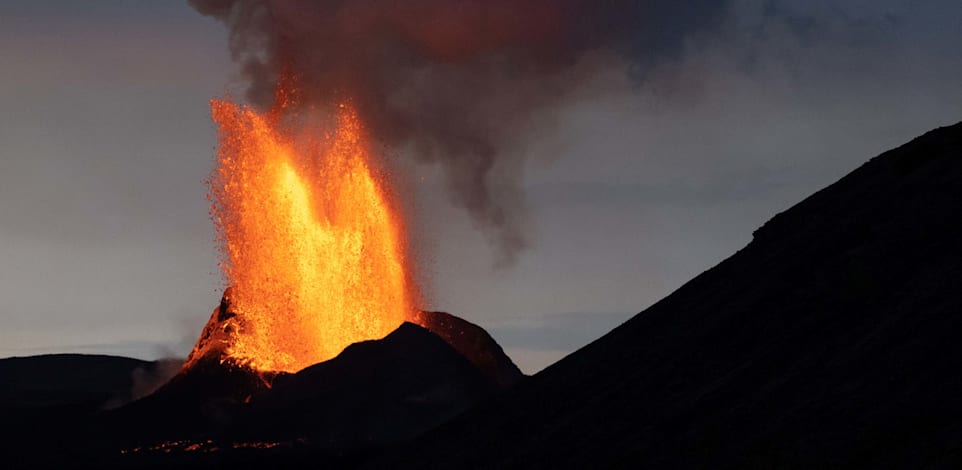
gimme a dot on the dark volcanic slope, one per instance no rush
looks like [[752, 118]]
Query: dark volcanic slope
[[475, 344], [372, 394], [375, 392], [834, 337]]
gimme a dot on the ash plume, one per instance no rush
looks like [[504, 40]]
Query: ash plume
[[457, 83]]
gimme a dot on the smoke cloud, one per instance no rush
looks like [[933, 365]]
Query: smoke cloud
[[457, 83]]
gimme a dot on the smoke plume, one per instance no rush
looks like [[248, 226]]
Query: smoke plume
[[457, 83]]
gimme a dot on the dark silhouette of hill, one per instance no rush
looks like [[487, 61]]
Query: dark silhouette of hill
[[48, 401], [197, 403], [474, 343], [373, 393], [831, 340], [73, 380]]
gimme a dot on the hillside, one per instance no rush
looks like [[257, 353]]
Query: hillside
[[832, 339]]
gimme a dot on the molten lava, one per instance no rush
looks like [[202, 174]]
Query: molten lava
[[312, 247]]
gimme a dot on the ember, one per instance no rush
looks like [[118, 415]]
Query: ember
[[205, 446]]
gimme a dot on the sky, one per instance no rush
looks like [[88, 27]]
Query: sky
[[632, 187]]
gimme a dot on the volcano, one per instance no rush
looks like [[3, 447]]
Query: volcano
[[62, 410], [470, 340], [373, 393], [317, 342]]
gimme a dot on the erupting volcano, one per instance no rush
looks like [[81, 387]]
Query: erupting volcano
[[312, 246]]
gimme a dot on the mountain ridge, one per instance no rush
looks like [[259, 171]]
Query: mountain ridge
[[804, 348]]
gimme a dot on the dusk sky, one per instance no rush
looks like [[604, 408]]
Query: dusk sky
[[642, 179]]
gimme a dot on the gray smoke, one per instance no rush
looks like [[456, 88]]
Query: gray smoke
[[146, 380], [457, 82]]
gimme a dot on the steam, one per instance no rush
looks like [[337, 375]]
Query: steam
[[146, 380], [457, 82]]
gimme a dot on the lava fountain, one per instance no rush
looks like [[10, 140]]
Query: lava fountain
[[312, 246]]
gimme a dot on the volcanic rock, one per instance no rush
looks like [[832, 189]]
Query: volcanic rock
[[830, 341], [373, 393], [472, 341], [475, 344], [201, 400], [217, 333]]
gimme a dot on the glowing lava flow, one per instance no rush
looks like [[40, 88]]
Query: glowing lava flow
[[313, 250]]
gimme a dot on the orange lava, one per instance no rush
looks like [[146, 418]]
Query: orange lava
[[312, 247]]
